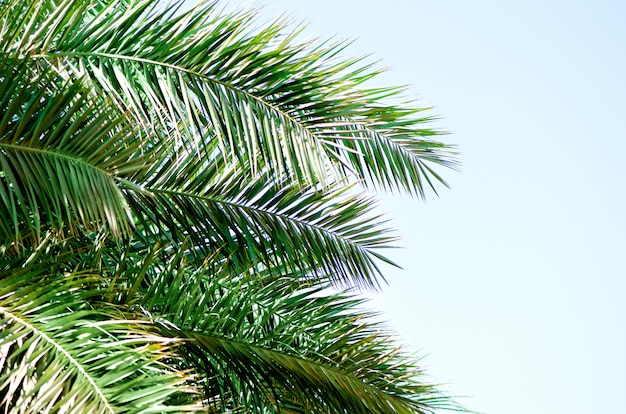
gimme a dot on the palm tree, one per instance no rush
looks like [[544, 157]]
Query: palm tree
[[185, 214]]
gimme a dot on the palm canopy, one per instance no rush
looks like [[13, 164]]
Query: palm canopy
[[177, 192]]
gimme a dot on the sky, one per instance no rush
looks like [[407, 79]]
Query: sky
[[514, 279]]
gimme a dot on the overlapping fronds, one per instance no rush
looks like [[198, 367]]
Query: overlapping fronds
[[60, 152], [270, 343], [332, 232], [267, 98], [58, 354], [178, 190], [285, 118]]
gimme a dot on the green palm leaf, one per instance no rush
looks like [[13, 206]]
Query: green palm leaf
[[274, 343], [68, 178], [178, 194], [213, 79], [332, 233], [58, 355]]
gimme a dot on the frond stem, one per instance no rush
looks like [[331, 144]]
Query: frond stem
[[55, 154], [187, 71], [261, 211]]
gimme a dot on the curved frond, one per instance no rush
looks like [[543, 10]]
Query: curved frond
[[332, 232], [60, 154], [268, 99], [263, 343], [178, 192], [57, 355]]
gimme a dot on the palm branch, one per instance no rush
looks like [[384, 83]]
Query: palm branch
[[59, 353], [179, 192], [279, 343]]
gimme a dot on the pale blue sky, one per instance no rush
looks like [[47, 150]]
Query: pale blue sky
[[514, 279]]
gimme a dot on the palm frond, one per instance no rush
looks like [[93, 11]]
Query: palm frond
[[268, 99], [180, 192], [61, 152], [59, 355], [271, 343], [333, 232]]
